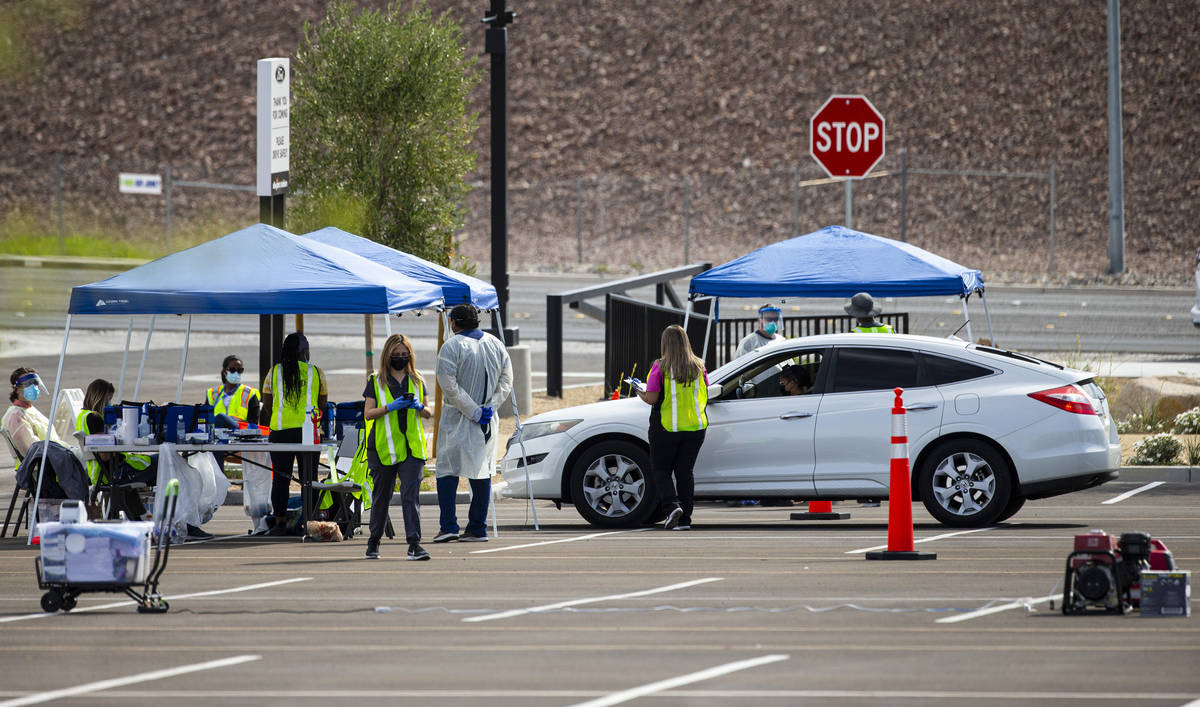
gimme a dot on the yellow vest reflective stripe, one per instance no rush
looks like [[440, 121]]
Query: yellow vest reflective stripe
[[236, 406], [881, 329], [414, 436], [136, 461], [288, 416], [683, 404]]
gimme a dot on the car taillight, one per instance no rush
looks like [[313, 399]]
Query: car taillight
[[1067, 397]]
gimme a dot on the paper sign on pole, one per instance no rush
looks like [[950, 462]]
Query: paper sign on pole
[[129, 183], [274, 126]]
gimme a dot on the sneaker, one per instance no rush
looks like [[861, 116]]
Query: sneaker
[[870, 504], [372, 553], [468, 538], [416, 552], [277, 530], [673, 518], [445, 537], [682, 527], [194, 533]]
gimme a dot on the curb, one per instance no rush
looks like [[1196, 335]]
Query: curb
[[1175, 474]]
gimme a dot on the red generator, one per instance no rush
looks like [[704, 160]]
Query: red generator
[[1104, 573]]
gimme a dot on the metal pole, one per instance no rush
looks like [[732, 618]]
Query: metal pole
[[554, 343], [1116, 163], [187, 337], [579, 220], [988, 315], [369, 338], [687, 219], [496, 44], [62, 243], [37, 495], [849, 203], [904, 195], [795, 200], [387, 325], [125, 359], [149, 332], [168, 186], [521, 441], [1052, 170], [707, 330], [967, 319]]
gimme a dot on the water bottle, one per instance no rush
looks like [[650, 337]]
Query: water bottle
[[306, 427], [180, 429]]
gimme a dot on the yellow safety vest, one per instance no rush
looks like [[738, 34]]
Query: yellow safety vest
[[236, 406], [136, 461], [389, 444], [683, 404], [881, 329], [290, 415]]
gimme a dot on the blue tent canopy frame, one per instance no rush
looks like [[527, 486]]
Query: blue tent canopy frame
[[836, 261]]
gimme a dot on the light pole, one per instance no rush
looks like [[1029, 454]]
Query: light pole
[[496, 44]]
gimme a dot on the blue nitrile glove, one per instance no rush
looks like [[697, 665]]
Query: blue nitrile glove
[[414, 405], [485, 416], [397, 404], [637, 384]]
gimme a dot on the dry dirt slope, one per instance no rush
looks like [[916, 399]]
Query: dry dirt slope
[[661, 89]]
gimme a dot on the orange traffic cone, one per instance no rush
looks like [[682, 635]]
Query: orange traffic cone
[[616, 394], [820, 510], [900, 521]]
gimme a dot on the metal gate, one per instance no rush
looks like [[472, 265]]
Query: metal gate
[[633, 331]]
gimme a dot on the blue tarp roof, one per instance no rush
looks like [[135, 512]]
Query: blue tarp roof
[[257, 270], [837, 262], [456, 287]]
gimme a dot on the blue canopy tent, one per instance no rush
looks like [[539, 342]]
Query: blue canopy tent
[[257, 270], [839, 262]]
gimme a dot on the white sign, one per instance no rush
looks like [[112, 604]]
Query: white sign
[[274, 125], [130, 183]]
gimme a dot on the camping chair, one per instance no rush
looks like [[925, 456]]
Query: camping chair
[[339, 496], [12, 503], [112, 498]]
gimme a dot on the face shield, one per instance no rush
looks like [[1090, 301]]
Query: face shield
[[770, 318]]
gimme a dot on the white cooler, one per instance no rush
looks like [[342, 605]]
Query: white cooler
[[77, 551]]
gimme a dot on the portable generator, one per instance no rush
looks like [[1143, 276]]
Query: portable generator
[[1104, 573]]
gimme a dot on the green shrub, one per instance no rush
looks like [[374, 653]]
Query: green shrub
[[1156, 449]]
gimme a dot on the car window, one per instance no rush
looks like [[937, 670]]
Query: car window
[[940, 370], [874, 369], [761, 379]]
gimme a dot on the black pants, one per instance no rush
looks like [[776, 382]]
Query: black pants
[[281, 467], [383, 479], [675, 453]]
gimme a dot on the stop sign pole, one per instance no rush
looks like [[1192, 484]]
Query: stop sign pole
[[846, 137]]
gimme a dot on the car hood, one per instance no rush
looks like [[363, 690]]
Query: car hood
[[623, 409]]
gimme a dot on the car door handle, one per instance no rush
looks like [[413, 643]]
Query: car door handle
[[921, 406], [795, 415]]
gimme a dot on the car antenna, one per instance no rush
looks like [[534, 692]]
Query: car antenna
[[954, 335]]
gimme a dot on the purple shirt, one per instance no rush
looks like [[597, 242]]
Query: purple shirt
[[654, 381]]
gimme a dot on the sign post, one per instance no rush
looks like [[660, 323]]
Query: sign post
[[846, 137], [274, 146]]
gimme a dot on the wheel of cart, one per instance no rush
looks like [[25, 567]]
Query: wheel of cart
[[61, 596]]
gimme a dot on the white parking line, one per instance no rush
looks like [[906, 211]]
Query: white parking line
[[561, 540], [633, 693], [1127, 494], [592, 600], [115, 604], [99, 685], [923, 540], [1020, 603]]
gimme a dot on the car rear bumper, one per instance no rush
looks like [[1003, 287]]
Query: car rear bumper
[[1055, 487]]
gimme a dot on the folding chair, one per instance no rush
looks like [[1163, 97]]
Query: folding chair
[[111, 497], [12, 503]]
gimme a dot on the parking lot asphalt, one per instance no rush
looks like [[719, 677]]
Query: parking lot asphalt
[[748, 608]]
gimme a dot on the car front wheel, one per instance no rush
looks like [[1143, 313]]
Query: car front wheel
[[611, 485], [965, 483]]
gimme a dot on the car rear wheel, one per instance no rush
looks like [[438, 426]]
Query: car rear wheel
[[965, 483], [612, 486]]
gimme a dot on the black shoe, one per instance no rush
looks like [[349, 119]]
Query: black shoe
[[372, 552], [468, 538], [194, 533], [416, 552], [445, 537], [277, 530], [673, 518]]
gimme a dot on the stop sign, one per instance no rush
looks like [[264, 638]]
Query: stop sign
[[845, 136]]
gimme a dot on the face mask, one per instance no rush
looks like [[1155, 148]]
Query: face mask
[[771, 327], [233, 377], [398, 362], [31, 393]]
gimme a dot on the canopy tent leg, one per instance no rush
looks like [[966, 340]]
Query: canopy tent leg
[[387, 324], [125, 360], [967, 319], [708, 330], [687, 313], [187, 337], [37, 495], [437, 389], [988, 315], [368, 337], [149, 332], [520, 439]]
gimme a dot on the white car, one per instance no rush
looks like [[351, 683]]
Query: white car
[[987, 429], [1196, 308]]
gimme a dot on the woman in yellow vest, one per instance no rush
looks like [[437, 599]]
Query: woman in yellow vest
[[677, 391], [394, 405], [232, 401], [291, 387], [131, 467]]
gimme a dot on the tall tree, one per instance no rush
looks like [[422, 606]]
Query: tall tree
[[381, 126]]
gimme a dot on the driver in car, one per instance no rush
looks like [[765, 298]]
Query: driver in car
[[795, 380]]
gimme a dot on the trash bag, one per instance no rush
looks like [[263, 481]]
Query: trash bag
[[215, 487], [256, 489], [191, 489]]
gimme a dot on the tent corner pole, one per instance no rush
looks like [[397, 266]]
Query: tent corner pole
[[187, 338], [137, 387], [37, 495], [687, 313], [988, 316], [967, 319], [125, 360], [520, 438], [437, 389]]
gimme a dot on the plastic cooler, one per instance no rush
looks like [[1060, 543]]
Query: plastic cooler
[[77, 551]]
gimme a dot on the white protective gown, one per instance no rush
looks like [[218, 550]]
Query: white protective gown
[[472, 373]]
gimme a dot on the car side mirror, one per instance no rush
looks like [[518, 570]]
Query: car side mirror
[[714, 390]]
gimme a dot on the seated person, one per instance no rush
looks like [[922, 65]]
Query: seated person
[[795, 380], [22, 422], [232, 402], [114, 467]]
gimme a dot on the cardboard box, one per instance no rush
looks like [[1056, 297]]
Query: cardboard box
[[1166, 593]]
